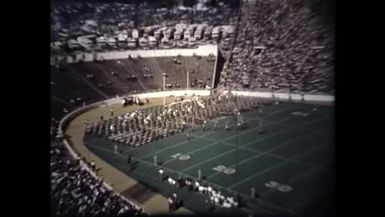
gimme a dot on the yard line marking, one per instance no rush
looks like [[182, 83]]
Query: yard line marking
[[283, 158], [259, 173], [209, 159], [240, 162], [286, 161], [192, 152], [248, 131], [214, 142], [204, 137], [291, 180], [258, 153], [298, 162], [307, 130], [206, 181], [310, 150], [166, 148], [283, 209], [271, 113], [279, 132], [267, 151]]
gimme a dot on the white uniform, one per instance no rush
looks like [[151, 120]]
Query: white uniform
[[209, 189], [169, 180], [201, 189]]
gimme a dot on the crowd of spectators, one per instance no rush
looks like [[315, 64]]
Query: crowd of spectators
[[75, 192], [212, 196], [95, 26], [282, 45]]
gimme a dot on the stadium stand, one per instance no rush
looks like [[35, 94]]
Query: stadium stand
[[87, 82], [86, 26], [282, 45], [277, 46], [74, 192], [71, 87]]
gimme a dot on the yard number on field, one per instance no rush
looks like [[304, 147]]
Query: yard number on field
[[225, 170], [180, 156], [276, 186]]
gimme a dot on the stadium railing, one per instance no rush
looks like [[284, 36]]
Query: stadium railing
[[202, 50]]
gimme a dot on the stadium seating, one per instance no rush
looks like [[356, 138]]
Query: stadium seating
[[68, 85], [87, 82], [282, 45], [75, 192], [89, 26]]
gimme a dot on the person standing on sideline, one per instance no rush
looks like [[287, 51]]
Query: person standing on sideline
[[112, 112], [86, 123], [260, 130], [204, 124], [161, 172], [227, 126], [115, 149], [129, 159], [93, 165], [129, 162]]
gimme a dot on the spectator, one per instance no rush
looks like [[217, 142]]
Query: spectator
[[75, 192], [282, 45]]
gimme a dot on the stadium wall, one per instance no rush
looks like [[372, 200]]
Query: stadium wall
[[202, 50], [284, 96]]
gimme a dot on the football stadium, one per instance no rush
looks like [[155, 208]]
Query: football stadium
[[192, 107]]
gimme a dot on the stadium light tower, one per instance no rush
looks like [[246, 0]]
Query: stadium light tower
[[164, 88], [188, 80]]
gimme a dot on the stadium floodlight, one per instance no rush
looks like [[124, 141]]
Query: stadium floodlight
[[164, 88], [188, 80]]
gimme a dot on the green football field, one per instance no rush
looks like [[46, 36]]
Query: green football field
[[290, 165]]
